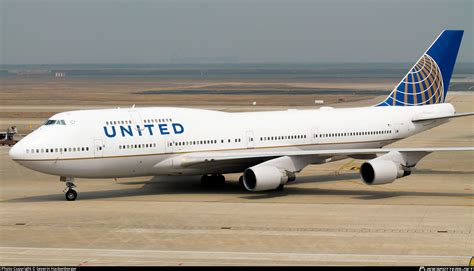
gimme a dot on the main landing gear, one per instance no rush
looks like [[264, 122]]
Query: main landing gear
[[212, 180], [70, 193]]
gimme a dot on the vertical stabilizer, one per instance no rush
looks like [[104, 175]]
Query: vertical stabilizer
[[427, 81]]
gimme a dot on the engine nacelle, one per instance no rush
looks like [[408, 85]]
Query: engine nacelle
[[261, 178], [384, 169]]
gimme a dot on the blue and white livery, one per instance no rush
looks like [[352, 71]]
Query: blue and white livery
[[270, 148], [428, 81]]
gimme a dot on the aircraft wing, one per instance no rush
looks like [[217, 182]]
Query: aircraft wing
[[217, 157]]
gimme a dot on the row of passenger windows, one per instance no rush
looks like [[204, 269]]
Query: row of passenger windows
[[203, 142], [118, 122], [206, 142], [157, 120], [137, 146], [266, 138], [383, 132], [115, 122], [56, 150]]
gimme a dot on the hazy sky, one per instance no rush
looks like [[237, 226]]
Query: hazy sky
[[51, 32]]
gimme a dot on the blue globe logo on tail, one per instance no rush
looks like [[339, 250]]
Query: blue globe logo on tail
[[428, 81]]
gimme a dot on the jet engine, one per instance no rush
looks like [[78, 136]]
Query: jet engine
[[384, 169], [261, 178]]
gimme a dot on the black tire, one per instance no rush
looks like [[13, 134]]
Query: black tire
[[280, 187], [241, 182], [206, 180], [212, 180], [220, 179], [71, 195]]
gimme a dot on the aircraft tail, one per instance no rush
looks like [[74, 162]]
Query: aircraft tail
[[427, 81]]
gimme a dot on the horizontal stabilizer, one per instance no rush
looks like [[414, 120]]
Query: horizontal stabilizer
[[428, 118]]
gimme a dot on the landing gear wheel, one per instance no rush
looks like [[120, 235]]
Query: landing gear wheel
[[280, 187], [205, 180], [71, 195], [220, 179], [212, 180]]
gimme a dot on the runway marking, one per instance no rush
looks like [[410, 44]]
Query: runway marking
[[244, 255]]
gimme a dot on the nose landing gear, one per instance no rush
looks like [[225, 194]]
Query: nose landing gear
[[70, 193]]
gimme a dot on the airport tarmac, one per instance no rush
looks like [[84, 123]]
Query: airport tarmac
[[327, 217]]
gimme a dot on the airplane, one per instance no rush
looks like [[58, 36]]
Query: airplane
[[269, 147]]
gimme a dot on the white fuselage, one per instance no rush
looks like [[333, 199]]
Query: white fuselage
[[132, 142]]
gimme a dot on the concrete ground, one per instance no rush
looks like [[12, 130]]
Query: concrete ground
[[326, 217]]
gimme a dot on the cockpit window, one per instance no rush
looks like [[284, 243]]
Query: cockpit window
[[55, 122]]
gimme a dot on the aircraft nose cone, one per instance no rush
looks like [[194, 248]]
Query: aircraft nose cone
[[16, 152]]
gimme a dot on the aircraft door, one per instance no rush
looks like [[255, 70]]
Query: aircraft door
[[397, 129], [136, 120], [98, 148], [169, 148], [315, 135], [250, 139]]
